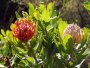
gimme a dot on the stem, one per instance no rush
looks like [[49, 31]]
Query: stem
[[45, 30], [8, 62], [36, 61], [29, 48]]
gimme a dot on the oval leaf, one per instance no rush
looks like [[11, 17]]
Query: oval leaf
[[45, 16], [87, 5], [30, 59], [31, 8]]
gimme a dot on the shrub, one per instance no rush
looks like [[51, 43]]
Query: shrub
[[36, 41]]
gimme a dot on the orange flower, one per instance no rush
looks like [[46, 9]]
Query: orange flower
[[23, 29], [75, 31]]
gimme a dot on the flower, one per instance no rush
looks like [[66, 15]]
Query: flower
[[75, 31], [23, 29]]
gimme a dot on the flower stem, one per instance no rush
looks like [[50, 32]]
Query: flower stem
[[29, 48]]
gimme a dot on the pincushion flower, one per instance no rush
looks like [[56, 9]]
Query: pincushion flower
[[23, 29], [75, 31]]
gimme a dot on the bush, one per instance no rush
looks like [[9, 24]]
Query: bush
[[47, 47]]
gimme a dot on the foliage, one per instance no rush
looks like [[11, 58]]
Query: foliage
[[47, 49], [87, 5]]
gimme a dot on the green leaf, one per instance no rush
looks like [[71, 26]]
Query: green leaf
[[17, 15], [86, 34], [49, 27], [31, 9], [30, 59], [33, 43], [62, 26], [21, 50], [65, 39], [25, 63], [68, 43], [8, 33], [39, 42], [86, 37], [25, 14], [41, 7], [50, 8], [45, 16], [3, 33], [2, 38], [20, 56], [36, 14], [87, 5]]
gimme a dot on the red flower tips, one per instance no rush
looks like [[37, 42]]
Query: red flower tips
[[75, 31], [23, 29]]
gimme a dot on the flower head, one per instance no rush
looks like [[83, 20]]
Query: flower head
[[75, 31], [23, 29]]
